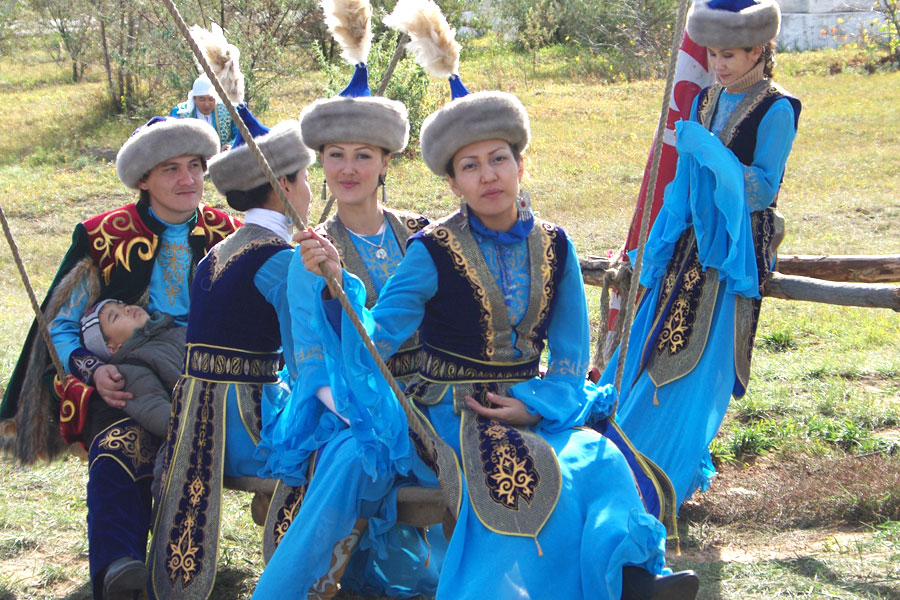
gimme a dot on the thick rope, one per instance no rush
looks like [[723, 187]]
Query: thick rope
[[38, 313], [337, 291], [677, 37]]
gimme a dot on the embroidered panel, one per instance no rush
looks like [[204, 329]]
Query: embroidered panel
[[185, 550], [174, 258], [283, 507], [249, 401], [509, 472], [683, 315], [115, 236], [215, 225], [406, 361], [130, 445], [440, 366], [231, 364], [512, 475], [544, 263], [441, 459], [768, 231], [245, 241]]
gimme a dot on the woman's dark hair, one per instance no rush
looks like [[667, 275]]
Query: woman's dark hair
[[245, 200], [512, 147], [767, 58], [145, 195]]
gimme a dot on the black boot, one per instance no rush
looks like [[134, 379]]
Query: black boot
[[639, 584]]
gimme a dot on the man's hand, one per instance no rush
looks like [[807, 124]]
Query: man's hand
[[509, 410], [110, 383]]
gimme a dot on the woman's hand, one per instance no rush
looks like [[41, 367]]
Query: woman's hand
[[315, 249], [510, 410]]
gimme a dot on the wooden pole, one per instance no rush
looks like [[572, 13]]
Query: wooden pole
[[871, 295], [858, 268]]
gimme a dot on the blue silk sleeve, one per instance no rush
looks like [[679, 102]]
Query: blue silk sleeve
[[360, 393], [707, 194], [65, 328], [563, 397]]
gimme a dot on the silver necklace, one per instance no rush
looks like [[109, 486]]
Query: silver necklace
[[380, 252]]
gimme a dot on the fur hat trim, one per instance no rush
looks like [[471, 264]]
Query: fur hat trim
[[160, 139], [747, 27], [472, 118], [283, 148], [367, 120]]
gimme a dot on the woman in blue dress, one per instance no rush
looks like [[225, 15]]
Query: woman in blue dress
[[346, 535], [238, 330], [543, 507], [711, 248]]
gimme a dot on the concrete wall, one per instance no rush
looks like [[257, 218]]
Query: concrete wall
[[803, 21]]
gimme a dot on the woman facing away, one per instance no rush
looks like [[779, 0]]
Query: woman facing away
[[711, 248], [238, 330], [543, 508]]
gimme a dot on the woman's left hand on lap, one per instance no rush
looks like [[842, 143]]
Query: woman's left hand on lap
[[508, 410]]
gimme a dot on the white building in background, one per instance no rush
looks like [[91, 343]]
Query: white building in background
[[842, 20]]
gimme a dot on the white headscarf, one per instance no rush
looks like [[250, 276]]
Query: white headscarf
[[202, 87]]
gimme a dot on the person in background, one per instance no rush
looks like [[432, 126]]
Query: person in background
[[203, 103]]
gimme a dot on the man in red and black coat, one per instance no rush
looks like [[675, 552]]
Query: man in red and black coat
[[143, 253]]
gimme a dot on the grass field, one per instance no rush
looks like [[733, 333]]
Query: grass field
[[807, 504]]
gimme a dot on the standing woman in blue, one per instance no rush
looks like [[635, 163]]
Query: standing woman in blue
[[711, 248], [543, 510], [238, 330]]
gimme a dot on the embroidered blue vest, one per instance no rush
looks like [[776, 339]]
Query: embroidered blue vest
[[223, 292], [466, 332]]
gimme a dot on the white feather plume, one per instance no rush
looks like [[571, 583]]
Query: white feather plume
[[223, 58], [349, 22], [432, 40]]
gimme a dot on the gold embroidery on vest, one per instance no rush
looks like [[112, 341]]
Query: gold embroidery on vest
[[119, 254]]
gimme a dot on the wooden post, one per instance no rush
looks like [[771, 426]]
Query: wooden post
[[858, 268], [793, 287]]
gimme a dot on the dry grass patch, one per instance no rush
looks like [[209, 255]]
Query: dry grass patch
[[802, 491]]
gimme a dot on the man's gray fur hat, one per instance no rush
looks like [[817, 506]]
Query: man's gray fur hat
[[724, 24], [472, 118], [238, 170], [371, 120], [160, 139]]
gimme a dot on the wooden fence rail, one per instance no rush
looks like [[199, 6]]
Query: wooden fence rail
[[848, 280]]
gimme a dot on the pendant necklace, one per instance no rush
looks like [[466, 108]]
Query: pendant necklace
[[380, 252]]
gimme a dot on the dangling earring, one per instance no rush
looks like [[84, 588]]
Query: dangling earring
[[324, 191], [381, 182], [523, 205], [464, 210]]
